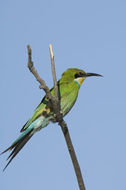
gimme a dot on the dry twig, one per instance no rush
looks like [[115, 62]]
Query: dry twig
[[55, 103]]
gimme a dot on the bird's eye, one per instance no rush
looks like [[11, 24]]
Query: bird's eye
[[76, 75]]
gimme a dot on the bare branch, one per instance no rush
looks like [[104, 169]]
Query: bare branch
[[54, 73], [72, 155], [55, 103], [64, 126], [36, 75]]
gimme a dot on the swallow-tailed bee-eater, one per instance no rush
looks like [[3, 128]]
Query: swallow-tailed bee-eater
[[68, 87]]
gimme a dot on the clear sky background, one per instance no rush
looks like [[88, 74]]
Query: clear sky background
[[90, 35]]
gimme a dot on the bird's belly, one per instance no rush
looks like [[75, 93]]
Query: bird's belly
[[67, 106], [41, 122]]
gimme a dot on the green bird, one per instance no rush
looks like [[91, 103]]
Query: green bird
[[68, 86]]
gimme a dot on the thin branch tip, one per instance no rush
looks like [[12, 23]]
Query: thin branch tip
[[29, 49], [30, 63], [51, 51]]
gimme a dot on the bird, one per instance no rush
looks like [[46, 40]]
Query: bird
[[68, 88]]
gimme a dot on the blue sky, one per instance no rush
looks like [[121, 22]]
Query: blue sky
[[90, 35]]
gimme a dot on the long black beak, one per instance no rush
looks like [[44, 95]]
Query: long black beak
[[93, 74]]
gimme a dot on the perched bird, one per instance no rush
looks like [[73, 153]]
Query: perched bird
[[68, 86]]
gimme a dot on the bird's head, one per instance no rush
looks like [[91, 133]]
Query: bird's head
[[76, 75]]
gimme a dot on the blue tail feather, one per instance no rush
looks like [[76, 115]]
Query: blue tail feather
[[18, 144]]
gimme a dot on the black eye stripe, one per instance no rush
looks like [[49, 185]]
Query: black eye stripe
[[76, 75], [80, 74]]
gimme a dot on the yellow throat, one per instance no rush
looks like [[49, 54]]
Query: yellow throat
[[79, 80]]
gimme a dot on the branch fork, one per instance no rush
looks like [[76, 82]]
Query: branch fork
[[55, 105]]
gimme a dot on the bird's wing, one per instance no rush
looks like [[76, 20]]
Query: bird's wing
[[38, 111], [43, 107]]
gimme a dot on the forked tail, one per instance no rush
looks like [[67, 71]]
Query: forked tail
[[18, 144]]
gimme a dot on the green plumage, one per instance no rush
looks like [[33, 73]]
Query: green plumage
[[68, 91], [68, 86]]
